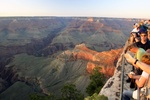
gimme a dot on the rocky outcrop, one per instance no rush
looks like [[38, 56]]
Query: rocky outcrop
[[112, 88], [6, 74], [40, 47], [105, 60]]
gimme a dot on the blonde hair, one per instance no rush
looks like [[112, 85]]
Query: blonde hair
[[146, 58]]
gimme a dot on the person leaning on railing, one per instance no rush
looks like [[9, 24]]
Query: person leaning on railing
[[140, 79], [144, 64], [138, 53]]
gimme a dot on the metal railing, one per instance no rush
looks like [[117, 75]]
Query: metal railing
[[122, 77], [122, 74]]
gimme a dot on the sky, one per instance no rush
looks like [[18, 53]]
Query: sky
[[76, 8]]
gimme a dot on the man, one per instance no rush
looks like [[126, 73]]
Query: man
[[144, 42]]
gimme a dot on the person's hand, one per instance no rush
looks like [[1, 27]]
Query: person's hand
[[129, 58], [131, 74]]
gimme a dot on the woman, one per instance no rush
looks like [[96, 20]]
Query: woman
[[145, 67], [138, 53], [140, 79]]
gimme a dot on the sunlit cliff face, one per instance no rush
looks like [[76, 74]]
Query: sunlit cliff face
[[105, 60], [108, 71]]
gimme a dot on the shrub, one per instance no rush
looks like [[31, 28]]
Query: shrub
[[97, 82], [69, 92], [95, 96]]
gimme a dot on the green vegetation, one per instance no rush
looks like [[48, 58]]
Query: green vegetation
[[97, 82], [69, 92], [95, 96], [36, 96]]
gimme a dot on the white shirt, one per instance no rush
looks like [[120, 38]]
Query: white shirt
[[145, 75]]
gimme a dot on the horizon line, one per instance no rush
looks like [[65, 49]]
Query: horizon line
[[78, 16]]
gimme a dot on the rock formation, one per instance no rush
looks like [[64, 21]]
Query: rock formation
[[68, 66], [112, 88], [105, 60]]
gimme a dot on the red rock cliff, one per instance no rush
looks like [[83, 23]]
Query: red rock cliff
[[106, 60]]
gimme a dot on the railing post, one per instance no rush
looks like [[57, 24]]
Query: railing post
[[138, 93], [122, 77]]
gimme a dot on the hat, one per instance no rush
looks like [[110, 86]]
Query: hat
[[136, 24], [145, 22], [142, 30]]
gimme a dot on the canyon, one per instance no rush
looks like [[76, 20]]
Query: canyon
[[41, 54]]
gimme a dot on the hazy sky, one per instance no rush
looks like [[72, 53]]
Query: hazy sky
[[90, 8]]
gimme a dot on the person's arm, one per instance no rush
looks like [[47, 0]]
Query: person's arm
[[135, 66], [140, 64], [141, 81], [143, 66], [133, 76]]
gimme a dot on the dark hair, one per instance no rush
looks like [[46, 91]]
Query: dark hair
[[143, 30], [146, 58], [130, 47]]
